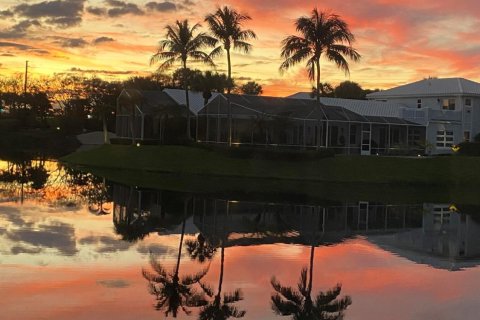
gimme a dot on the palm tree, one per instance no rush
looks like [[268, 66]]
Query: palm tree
[[321, 34], [226, 26], [173, 293], [287, 301], [181, 44]]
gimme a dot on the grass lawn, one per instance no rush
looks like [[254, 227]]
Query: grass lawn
[[441, 171]]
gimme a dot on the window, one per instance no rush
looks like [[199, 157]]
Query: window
[[419, 103], [468, 102], [466, 136], [444, 139], [448, 104]]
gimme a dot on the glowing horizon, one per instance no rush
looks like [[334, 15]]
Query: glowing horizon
[[400, 41]]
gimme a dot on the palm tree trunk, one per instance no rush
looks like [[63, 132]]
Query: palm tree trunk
[[318, 80], [185, 207], [220, 277], [229, 88], [310, 281], [185, 84]]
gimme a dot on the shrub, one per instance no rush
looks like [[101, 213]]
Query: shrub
[[469, 149]]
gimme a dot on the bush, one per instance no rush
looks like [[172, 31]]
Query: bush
[[477, 138], [469, 149]]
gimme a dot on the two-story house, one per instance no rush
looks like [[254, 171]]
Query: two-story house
[[449, 108]]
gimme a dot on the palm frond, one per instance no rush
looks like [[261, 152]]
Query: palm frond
[[233, 296]]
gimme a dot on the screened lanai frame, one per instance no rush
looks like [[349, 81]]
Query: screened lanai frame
[[304, 124]]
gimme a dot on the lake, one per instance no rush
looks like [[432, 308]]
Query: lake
[[78, 246]]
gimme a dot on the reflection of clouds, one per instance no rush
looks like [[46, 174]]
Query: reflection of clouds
[[156, 249], [12, 215], [114, 283], [106, 244], [21, 249], [58, 235]]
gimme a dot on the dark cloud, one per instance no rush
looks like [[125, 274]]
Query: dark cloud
[[7, 55], [97, 11], [103, 40], [64, 13], [19, 249], [70, 42], [106, 244], [120, 8], [107, 72], [19, 30], [60, 236], [115, 283], [161, 6]]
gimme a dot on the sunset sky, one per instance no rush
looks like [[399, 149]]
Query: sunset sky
[[400, 40]]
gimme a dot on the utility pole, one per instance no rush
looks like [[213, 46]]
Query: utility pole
[[26, 78]]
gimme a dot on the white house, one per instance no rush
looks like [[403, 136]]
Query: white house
[[450, 109]]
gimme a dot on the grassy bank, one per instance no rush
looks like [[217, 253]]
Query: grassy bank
[[36, 142], [441, 171]]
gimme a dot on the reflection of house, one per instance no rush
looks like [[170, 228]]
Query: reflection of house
[[258, 120], [248, 223], [449, 108], [138, 212], [447, 239]]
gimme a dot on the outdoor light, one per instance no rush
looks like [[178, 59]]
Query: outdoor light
[[138, 144], [455, 148], [58, 128], [453, 208], [89, 116]]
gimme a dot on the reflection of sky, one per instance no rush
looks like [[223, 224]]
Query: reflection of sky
[[70, 264]]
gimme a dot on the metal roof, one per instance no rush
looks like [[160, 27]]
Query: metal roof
[[431, 87], [195, 98], [363, 107]]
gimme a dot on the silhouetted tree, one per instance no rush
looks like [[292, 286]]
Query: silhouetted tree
[[349, 90], [183, 43], [320, 34], [226, 26], [251, 88]]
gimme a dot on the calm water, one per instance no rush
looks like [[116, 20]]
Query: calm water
[[74, 246]]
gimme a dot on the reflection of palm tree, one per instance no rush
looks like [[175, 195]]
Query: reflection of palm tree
[[200, 249], [218, 309], [287, 301], [173, 293]]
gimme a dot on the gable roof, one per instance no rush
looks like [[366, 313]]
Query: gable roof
[[431, 87], [363, 107], [149, 101], [195, 98]]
